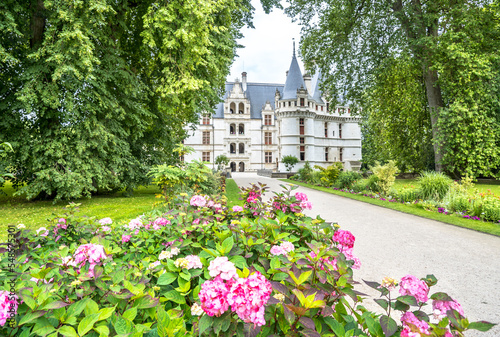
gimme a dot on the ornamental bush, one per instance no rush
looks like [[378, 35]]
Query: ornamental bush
[[347, 179], [200, 269], [386, 175], [434, 185]]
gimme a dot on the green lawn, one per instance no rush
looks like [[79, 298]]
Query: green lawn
[[233, 193], [485, 227], [34, 214]]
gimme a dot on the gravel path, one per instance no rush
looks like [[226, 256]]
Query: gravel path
[[390, 243]]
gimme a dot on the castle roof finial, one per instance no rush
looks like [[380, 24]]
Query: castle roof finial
[[293, 39]]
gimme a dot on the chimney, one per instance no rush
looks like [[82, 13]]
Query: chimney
[[307, 81], [244, 80]]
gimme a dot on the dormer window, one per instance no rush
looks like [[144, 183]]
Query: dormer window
[[301, 102], [267, 120]]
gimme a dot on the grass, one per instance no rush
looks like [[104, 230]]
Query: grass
[[483, 187], [485, 227], [35, 214], [233, 193]]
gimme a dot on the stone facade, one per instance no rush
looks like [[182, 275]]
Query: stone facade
[[259, 123]]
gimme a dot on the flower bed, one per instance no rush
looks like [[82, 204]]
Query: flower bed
[[200, 268]]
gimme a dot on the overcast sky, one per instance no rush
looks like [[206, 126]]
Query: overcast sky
[[267, 51]]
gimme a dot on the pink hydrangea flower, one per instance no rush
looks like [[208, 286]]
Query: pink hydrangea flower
[[223, 267], [92, 253], [196, 221], [412, 326], [306, 205], [134, 224], [411, 285], [287, 246], [8, 306], [126, 238], [106, 229], [237, 208], [349, 255], [198, 200], [248, 296], [43, 231], [345, 238], [277, 250], [213, 297], [193, 262], [161, 222], [441, 307], [301, 196], [106, 221]]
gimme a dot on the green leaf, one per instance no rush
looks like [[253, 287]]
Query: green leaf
[[389, 326], [105, 313], [227, 245], [103, 330], [481, 325], [383, 303], [239, 261], [407, 299], [174, 296], [122, 326], [166, 278], [130, 314], [87, 323], [91, 308], [337, 328], [30, 316], [67, 331], [163, 321], [204, 323]]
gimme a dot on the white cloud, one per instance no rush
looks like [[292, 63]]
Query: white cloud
[[267, 51]]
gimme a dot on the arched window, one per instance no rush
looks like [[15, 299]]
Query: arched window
[[242, 148], [241, 108], [233, 166], [232, 129], [232, 148], [241, 129], [232, 108]]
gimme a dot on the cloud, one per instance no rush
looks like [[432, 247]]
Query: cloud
[[267, 51]]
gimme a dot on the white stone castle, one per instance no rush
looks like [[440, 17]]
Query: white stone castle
[[260, 123]]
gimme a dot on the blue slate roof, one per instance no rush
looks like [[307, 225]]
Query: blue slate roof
[[294, 80], [316, 92], [257, 93]]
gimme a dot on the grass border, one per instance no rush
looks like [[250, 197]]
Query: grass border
[[479, 226]]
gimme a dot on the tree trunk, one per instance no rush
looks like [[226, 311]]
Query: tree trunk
[[37, 24], [435, 101]]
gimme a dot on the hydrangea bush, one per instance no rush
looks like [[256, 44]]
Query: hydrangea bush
[[199, 268]]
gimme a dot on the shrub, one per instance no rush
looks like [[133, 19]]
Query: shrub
[[201, 269], [360, 185], [305, 173], [330, 174], [407, 194], [289, 162], [347, 179], [371, 183], [386, 175], [434, 185], [486, 206], [221, 161]]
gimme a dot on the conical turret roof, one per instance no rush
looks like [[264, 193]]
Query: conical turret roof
[[316, 92], [294, 79]]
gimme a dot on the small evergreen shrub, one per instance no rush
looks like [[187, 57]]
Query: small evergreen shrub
[[408, 194], [330, 174], [434, 185], [386, 175], [371, 183], [305, 173], [316, 178], [360, 185], [347, 179]]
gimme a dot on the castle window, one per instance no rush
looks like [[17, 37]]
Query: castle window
[[268, 138], [341, 154], [241, 108], [241, 129], [326, 129], [268, 157], [289, 103], [232, 108], [267, 120], [232, 148], [340, 131], [232, 129], [327, 106], [205, 156], [326, 154], [302, 140], [301, 102], [301, 126], [241, 148], [205, 120], [321, 108], [206, 138], [302, 153], [316, 108]]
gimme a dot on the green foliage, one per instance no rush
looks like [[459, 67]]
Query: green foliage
[[434, 185], [347, 179], [93, 93], [330, 174], [221, 161], [144, 288], [194, 177], [408, 194], [372, 183], [4, 148], [430, 77], [386, 175], [305, 173], [360, 185], [289, 161]]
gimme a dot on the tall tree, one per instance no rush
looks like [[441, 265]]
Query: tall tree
[[350, 41], [94, 92]]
